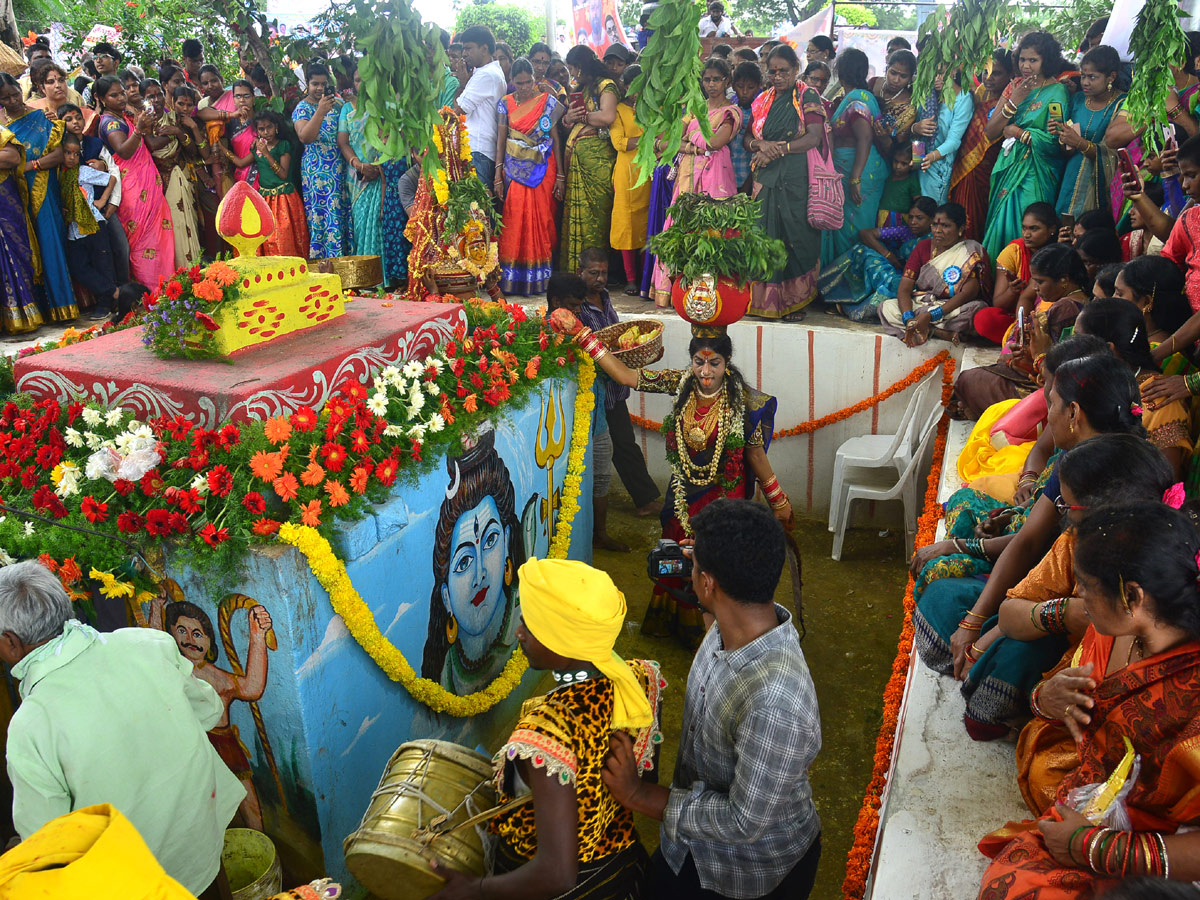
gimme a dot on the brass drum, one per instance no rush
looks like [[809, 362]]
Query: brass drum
[[423, 780]]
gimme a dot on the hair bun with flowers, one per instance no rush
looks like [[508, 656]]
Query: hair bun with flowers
[[1135, 409]]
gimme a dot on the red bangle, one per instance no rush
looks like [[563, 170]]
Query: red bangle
[[590, 344]]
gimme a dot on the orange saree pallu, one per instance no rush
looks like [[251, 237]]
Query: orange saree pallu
[[526, 246], [291, 227], [1155, 703]]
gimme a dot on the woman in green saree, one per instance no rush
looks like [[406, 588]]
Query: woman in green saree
[[589, 158], [377, 215], [787, 120], [864, 171], [1030, 166]]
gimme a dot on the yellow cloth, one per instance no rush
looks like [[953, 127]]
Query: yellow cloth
[[631, 205], [576, 611], [980, 457], [93, 853]]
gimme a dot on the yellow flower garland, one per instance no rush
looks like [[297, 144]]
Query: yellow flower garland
[[348, 603]]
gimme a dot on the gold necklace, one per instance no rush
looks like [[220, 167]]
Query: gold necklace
[[697, 427], [1136, 642]]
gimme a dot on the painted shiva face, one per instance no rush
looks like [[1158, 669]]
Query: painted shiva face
[[193, 642], [474, 588], [709, 369]]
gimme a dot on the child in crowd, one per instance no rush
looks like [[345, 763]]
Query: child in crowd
[[631, 205], [1139, 241], [747, 84], [88, 255], [93, 149], [901, 189], [273, 158]]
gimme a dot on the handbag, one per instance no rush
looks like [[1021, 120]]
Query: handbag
[[826, 196]]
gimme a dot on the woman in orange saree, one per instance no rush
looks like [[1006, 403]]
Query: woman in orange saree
[[530, 179], [971, 179], [1135, 689]]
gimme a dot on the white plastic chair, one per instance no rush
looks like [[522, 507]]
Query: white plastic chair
[[882, 484], [872, 451]]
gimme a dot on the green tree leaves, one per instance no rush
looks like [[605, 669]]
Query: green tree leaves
[[1157, 43]]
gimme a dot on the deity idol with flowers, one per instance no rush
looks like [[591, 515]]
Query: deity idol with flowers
[[454, 248]]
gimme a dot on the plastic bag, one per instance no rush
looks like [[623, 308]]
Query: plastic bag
[[1104, 804]]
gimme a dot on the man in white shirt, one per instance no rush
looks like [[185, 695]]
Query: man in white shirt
[[480, 98], [715, 24]]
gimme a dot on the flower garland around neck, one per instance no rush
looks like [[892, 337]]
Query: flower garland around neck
[[349, 604], [728, 447]]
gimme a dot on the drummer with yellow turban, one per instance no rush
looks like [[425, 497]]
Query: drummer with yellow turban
[[589, 848]]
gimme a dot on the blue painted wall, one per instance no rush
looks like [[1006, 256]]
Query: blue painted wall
[[331, 716]]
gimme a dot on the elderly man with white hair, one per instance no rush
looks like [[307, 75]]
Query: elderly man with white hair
[[112, 718]]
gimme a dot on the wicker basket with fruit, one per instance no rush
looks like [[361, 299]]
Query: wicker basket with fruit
[[637, 342]]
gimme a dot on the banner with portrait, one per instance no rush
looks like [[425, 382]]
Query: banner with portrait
[[598, 25]]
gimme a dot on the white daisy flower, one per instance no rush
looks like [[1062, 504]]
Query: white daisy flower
[[5, 559], [93, 440], [393, 431], [68, 486], [113, 419], [416, 399], [417, 432], [436, 423], [413, 368], [200, 485], [92, 417], [432, 389], [73, 438], [437, 364], [389, 373], [378, 404], [28, 529]]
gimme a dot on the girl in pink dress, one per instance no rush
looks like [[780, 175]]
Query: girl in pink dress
[[704, 166]]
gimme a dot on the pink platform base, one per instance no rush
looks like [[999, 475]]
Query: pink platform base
[[299, 369]]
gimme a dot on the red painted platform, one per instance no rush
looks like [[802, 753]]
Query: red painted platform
[[299, 369]]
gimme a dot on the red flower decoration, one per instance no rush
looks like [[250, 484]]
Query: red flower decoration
[[207, 321], [93, 510], [158, 522], [264, 527], [173, 289], [254, 503], [334, 455], [214, 536], [303, 419], [220, 481], [228, 437], [129, 522]]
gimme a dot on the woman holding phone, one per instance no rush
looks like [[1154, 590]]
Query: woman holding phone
[[323, 171], [1090, 164], [1030, 166]]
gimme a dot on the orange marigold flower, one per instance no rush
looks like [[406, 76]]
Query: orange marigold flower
[[531, 367], [222, 273], [470, 403], [277, 429], [208, 290], [337, 493], [266, 466], [264, 526], [358, 480], [313, 475], [286, 487], [310, 513]]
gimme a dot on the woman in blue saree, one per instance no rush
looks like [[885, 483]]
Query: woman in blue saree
[[860, 280], [1091, 163], [376, 214], [1030, 166], [863, 169], [18, 245], [322, 168], [41, 139]]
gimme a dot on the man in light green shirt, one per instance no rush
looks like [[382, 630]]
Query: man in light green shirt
[[112, 718]]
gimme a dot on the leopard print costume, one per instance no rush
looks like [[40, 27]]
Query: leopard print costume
[[567, 736]]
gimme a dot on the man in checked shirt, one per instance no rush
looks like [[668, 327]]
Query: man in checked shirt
[[738, 821]]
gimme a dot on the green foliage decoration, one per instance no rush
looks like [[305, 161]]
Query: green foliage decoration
[[399, 92], [515, 25], [1157, 43], [669, 85], [718, 237], [962, 39]]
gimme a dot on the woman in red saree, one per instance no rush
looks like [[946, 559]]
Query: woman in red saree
[[1135, 684], [971, 179], [530, 179]]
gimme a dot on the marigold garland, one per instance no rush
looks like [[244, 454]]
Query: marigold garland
[[348, 603], [817, 424], [858, 863]]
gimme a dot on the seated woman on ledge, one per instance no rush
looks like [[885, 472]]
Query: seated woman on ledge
[[1137, 682], [942, 284], [574, 840]]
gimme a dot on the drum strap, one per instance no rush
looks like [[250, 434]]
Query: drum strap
[[437, 826]]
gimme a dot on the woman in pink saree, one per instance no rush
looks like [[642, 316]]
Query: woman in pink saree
[[704, 166], [143, 211]]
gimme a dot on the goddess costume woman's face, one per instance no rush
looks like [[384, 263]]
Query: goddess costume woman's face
[[474, 588]]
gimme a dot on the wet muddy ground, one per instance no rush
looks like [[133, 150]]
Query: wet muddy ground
[[852, 615]]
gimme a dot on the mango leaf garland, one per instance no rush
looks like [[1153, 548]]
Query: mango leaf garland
[[1157, 43], [669, 85], [401, 77]]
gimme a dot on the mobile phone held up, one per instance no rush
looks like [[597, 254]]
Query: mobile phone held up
[[1125, 163], [918, 152], [1054, 110]]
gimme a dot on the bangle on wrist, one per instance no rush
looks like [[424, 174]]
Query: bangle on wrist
[[1192, 382], [907, 316]]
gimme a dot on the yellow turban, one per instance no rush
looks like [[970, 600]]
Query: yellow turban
[[577, 612], [93, 853]]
